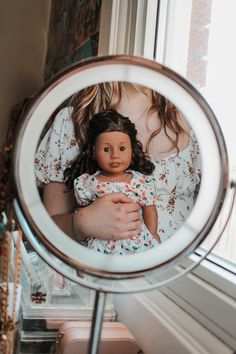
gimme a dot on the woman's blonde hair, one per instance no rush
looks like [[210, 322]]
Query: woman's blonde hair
[[105, 96]]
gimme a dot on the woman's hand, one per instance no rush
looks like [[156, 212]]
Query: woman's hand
[[111, 217]]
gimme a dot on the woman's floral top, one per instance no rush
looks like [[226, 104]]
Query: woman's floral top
[[140, 189], [178, 175]]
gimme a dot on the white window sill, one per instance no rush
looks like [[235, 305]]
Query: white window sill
[[160, 325]]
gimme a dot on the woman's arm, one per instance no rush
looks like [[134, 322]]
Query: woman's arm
[[150, 218], [60, 204], [113, 216]]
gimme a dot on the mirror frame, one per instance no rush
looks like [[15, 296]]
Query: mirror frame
[[214, 160]]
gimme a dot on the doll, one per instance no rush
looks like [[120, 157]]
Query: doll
[[112, 160]]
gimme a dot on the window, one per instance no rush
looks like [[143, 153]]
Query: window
[[196, 39], [198, 45], [192, 38]]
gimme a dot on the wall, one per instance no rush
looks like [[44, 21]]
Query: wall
[[73, 33], [23, 42], [198, 42]]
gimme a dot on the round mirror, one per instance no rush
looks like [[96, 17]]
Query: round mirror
[[213, 159]]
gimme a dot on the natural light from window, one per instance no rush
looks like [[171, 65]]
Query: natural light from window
[[220, 92], [209, 62]]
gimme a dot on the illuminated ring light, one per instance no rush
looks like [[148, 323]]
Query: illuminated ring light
[[38, 225]]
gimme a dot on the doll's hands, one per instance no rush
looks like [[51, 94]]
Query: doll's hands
[[111, 217]]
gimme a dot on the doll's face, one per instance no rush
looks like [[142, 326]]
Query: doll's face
[[113, 152]]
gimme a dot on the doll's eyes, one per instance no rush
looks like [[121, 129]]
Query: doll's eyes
[[107, 149]]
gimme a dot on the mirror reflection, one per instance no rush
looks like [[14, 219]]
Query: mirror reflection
[[119, 168]]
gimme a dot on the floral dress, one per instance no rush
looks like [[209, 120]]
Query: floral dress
[[140, 189], [177, 175]]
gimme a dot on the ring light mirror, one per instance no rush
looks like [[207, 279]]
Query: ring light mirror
[[32, 213]]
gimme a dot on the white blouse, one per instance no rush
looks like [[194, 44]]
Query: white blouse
[[178, 176]]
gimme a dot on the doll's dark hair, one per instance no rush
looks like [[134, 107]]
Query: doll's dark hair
[[104, 122]]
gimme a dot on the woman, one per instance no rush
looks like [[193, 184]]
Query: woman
[[165, 135]]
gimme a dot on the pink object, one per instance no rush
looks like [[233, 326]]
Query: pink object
[[115, 339]]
